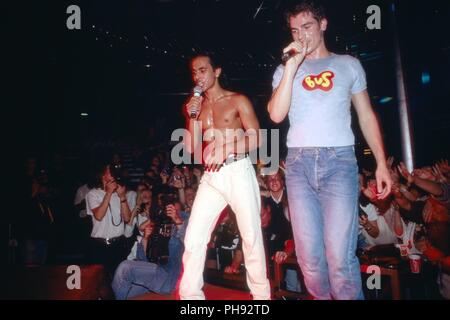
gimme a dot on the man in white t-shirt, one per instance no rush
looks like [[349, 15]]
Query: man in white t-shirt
[[110, 205]]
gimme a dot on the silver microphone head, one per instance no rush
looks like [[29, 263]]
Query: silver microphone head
[[197, 93]]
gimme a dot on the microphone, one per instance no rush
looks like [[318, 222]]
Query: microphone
[[197, 93], [287, 55]]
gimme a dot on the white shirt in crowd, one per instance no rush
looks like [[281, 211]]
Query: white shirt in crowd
[[112, 224], [385, 225], [80, 196], [409, 229], [129, 228]]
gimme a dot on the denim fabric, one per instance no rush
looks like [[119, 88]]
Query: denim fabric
[[133, 278], [322, 185]]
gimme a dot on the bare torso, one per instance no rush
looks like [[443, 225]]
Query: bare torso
[[220, 115]]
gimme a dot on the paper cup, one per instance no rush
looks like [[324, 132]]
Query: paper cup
[[415, 263]]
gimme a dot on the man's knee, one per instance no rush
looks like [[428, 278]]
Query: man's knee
[[123, 269]]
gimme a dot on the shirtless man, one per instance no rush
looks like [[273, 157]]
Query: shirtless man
[[229, 178]]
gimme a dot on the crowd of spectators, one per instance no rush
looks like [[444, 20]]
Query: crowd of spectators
[[130, 210]]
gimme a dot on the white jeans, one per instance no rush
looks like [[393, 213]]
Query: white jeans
[[234, 184]]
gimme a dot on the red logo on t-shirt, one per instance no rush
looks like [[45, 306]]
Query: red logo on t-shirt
[[323, 81]]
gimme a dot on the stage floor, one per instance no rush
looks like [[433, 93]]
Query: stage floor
[[212, 292]]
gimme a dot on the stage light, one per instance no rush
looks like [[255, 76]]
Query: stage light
[[426, 78], [385, 100], [84, 114]]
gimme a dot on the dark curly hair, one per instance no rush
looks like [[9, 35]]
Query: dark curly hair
[[215, 62]]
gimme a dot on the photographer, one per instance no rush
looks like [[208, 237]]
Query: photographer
[[139, 216], [133, 278], [110, 205], [158, 248]]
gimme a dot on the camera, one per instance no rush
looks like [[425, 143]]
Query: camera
[[141, 208], [117, 173], [361, 213], [168, 199]]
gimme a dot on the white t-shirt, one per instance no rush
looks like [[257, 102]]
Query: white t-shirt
[[409, 229], [371, 211], [387, 235], [80, 196], [112, 224], [129, 228], [319, 114]]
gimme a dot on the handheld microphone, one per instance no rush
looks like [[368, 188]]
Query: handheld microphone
[[197, 93]]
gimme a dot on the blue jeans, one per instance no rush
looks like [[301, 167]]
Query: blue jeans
[[291, 280], [322, 185], [133, 278]]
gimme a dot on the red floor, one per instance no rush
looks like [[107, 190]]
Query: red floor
[[212, 292]]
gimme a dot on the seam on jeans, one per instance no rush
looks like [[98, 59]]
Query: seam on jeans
[[350, 253], [316, 174], [137, 285]]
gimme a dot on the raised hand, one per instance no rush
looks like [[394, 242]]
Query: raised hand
[[194, 105], [439, 175], [405, 173], [444, 166]]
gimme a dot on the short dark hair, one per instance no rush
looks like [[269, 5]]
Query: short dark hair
[[312, 6], [97, 173], [213, 60], [215, 63]]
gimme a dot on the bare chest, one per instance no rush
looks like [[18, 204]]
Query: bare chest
[[219, 115]]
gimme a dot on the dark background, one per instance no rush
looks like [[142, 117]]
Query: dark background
[[127, 67]]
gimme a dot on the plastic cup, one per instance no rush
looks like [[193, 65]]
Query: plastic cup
[[415, 263]]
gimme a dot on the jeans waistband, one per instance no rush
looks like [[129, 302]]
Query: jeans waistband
[[321, 148], [300, 150]]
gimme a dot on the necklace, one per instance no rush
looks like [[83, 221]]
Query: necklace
[[215, 100]]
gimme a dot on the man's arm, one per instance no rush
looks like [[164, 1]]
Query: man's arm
[[125, 211], [100, 211], [372, 133], [124, 207], [429, 186], [280, 102], [192, 138], [371, 227]]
